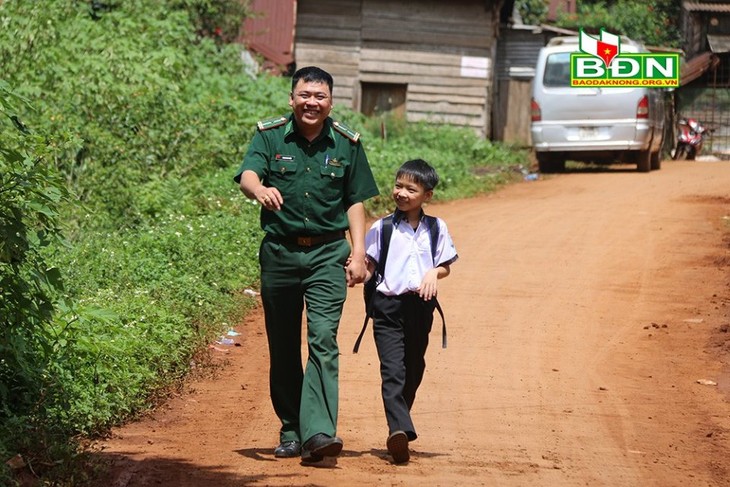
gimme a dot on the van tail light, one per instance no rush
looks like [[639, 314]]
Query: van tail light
[[535, 112], [642, 109]]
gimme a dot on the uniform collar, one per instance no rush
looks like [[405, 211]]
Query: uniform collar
[[327, 130], [399, 216]]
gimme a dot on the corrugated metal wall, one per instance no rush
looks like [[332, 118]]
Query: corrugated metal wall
[[517, 52], [270, 31]]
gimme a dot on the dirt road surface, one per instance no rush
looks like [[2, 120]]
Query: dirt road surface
[[585, 314]]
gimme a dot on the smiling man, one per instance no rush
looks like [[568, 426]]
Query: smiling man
[[311, 175]]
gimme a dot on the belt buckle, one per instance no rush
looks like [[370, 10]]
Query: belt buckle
[[304, 241]]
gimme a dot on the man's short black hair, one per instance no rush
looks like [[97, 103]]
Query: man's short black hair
[[419, 171], [312, 74]]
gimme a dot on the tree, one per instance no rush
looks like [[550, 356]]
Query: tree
[[653, 22], [533, 12]]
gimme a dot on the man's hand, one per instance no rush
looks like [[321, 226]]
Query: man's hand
[[355, 271], [269, 197]]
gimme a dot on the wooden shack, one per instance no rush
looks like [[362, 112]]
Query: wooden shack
[[423, 60]]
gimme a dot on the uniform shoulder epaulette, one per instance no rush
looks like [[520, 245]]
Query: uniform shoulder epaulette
[[346, 131], [271, 123]]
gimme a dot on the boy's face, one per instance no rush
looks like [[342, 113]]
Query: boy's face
[[410, 195]]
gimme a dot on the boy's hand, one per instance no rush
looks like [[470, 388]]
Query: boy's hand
[[429, 285], [369, 270], [355, 271]]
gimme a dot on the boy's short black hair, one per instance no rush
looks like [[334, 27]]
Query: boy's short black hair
[[312, 74], [420, 172]]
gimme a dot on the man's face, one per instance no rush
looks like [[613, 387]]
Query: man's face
[[311, 103]]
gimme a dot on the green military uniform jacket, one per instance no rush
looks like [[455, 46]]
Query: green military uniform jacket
[[318, 181]]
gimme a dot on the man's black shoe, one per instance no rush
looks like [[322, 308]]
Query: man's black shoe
[[288, 449], [320, 446]]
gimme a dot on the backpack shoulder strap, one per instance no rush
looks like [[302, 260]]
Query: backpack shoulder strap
[[433, 229], [386, 230]]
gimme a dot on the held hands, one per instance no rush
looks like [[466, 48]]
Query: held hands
[[429, 285], [269, 197], [355, 271]]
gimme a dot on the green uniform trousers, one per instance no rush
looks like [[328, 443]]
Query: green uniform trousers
[[292, 276]]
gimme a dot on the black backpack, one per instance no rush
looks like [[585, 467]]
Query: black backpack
[[369, 288]]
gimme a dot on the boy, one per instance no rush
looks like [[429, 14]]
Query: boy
[[404, 301]]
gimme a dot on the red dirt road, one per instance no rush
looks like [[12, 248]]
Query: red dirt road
[[583, 311]]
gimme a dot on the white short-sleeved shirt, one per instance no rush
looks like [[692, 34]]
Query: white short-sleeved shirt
[[409, 253]]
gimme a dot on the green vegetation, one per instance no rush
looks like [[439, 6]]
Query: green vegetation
[[124, 243], [653, 22], [533, 12]]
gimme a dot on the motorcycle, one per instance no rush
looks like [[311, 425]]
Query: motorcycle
[[690, 136]]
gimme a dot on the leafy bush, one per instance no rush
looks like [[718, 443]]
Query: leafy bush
[[151, 104], [217, 19], [533, 12], [31, 192], [654, 22], [156, 112]]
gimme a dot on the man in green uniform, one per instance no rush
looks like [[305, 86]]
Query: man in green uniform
[[311, 176]]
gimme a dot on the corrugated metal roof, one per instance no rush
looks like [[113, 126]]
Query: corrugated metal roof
[[718, 43], [693, 6], [270, 32]]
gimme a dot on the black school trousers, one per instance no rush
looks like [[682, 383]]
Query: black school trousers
[[401, 325]]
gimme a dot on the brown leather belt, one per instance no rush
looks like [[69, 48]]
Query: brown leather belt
[[310, 240]]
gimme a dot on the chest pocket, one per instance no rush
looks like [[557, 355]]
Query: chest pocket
[[332, 177], [283, 173], [334, 171], [422, 246]]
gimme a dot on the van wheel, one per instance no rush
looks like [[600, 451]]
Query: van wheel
[[656, 161], [548, 163], [643, 161]]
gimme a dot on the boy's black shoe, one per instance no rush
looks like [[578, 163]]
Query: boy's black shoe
[[288, 449], [398, 447], [320, 446]]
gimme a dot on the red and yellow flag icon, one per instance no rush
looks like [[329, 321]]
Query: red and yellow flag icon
[[606, 48]]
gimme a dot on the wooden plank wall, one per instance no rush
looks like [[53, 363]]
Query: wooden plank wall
[[436, 90], [420, 43], [461, 26], [512, 109], [341, 62], [328, 36]]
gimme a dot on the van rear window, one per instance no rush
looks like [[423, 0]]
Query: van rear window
[[557, 70]]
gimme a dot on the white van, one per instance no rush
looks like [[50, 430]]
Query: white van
[[598, 125]]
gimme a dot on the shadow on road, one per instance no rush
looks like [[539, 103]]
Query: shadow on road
[[114, 470]]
